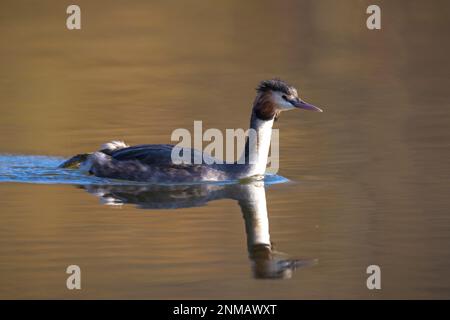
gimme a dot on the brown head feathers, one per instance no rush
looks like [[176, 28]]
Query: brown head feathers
[[264, 107]]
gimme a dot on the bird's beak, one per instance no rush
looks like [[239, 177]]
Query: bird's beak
[[298, 103]]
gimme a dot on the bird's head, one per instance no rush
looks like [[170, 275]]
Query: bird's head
[[274, 96]]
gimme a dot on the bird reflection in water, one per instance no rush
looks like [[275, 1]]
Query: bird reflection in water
[[266, 262]]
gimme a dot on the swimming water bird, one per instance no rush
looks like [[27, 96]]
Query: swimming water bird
[[153, 163]]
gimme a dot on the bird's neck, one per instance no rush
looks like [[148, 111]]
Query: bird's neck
[[255, 155]]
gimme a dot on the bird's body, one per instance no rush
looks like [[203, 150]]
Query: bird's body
[[149, 163], [153, 163]]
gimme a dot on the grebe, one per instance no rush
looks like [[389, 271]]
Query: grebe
[[153, 162]]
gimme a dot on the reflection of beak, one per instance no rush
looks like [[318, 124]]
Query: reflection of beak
[[304, 105]]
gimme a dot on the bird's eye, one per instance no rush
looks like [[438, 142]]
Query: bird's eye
[[284, 97]]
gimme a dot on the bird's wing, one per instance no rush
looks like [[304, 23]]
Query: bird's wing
[[153, 154]]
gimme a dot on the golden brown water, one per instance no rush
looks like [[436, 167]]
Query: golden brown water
[[369, 176]]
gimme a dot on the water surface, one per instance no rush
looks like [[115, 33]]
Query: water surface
[[368, 178]]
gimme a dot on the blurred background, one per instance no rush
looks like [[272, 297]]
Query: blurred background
[[369, 176]]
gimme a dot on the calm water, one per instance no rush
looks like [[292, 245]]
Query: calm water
[[368, 178]]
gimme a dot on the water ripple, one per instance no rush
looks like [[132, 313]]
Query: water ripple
[[44, 170]]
